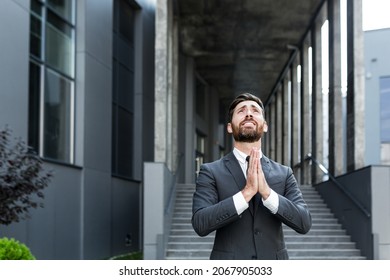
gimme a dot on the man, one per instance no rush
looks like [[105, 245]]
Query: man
[[246, 202]]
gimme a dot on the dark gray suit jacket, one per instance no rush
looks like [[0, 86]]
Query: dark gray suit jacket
[[256, 233]]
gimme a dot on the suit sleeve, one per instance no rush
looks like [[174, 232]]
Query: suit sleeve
[[293, 210], [209, 213]]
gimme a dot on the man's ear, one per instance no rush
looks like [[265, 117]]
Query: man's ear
[[229, 128], [265, 127]]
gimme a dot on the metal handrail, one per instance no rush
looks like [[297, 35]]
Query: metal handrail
[[309, 156]]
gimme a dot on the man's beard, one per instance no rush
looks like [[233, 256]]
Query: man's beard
[[242, 134]]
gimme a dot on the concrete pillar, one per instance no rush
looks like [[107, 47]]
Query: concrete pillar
[[272, 128], [189, 149], [285, 121], [279, 125], [266, 137], [335, 97], [175, 96], [161, 82], [305, 114], [294, 114], [164, 84], [355, 92], [317, 102]]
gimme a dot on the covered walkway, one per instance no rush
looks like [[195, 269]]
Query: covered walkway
[[304, 59]]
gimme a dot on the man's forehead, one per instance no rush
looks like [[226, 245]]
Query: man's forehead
[[248, 103]]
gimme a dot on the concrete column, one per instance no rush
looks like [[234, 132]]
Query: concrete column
[[285, 121], [355, 92], [175, 96], [317, 102], [294, 114], [189, 150], [272, 128], [268, 134], [335, 97], [279, 125], [163, 85], [266, 137], [305, 114]]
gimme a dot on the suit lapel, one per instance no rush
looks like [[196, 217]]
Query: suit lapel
[[235, 169], [265, 164]]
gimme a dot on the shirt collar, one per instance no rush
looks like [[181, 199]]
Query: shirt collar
[[241, 156]]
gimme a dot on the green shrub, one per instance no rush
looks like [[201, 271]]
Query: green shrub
[[11, 249], [129, 256]]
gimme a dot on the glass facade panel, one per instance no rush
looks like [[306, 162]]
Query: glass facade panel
[[123, 89], [126, 86], [58, 92], [64, 8], [59, 50], [385, 109], [51, 79], [126, 20], [124, 142], [36, 30], [34, 112]]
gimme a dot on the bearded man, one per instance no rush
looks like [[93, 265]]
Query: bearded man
[[245, 197]]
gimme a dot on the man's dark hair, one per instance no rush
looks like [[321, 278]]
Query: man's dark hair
[[243, 97]]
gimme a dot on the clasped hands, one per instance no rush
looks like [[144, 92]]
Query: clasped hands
[[255, 181]]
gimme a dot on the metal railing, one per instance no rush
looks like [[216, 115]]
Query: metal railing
[[310, 157]]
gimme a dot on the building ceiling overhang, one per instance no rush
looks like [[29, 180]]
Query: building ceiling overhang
[[242, 45]]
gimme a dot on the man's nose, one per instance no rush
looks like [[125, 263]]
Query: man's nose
[[249, 113]]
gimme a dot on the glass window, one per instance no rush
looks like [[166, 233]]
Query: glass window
[[51, 79], [35, 91], [123, 89], [63, 8], [385, 109], [36, 31], [57, 131], [126, 20], [59, 45], [199, 151]]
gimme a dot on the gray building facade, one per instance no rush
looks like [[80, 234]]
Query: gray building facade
[[377, 61], [124, 99], [69, 85]]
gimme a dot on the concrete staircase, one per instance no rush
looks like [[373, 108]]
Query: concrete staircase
[[325, 240]]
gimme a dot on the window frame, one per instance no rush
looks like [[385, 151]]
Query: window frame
[[37, 134]]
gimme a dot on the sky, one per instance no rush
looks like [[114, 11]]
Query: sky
[[376, 14]]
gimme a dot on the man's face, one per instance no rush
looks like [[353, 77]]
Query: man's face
[[248, 124]]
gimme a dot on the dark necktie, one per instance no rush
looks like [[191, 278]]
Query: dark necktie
[[256, 199], [247, 165]]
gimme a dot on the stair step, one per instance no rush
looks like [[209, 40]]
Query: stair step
[[317, 238], [325, 240], [328, 258], [322, 252], [320, 245], [191, 239]]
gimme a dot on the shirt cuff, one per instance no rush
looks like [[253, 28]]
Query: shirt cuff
[[272, 202], [240, 203]]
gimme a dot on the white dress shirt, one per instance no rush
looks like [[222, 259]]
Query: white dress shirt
[[272, 202]]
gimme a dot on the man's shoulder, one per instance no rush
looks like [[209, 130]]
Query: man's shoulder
[[277, 164], [219, 162]]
